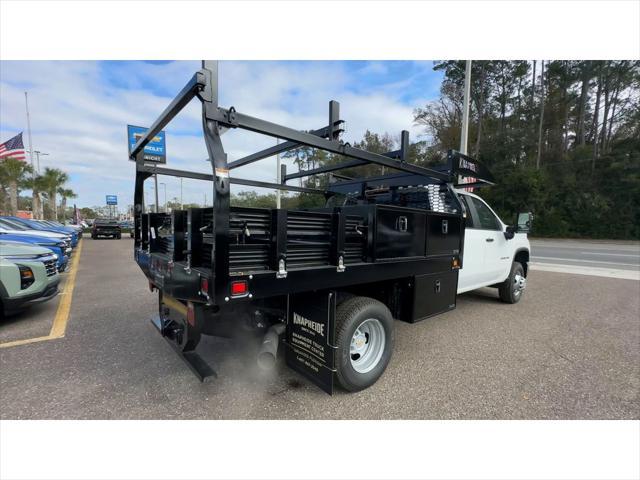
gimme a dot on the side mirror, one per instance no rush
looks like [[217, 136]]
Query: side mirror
[[525, 220], [509, 232]]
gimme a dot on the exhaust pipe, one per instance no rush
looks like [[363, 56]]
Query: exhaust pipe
[[269, 347]]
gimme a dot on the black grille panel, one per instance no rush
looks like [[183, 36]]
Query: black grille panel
[[249, 246], [354, 240], [50, 266], [308, 239]]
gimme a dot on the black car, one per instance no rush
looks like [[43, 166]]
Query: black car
[[106, 228]]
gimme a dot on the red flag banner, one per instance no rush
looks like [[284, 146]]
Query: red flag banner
[[13, 148]]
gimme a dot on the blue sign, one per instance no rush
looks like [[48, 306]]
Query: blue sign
[[155, 151], [112, 199]]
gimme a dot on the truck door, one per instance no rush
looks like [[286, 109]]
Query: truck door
[[472, 273], [496, 257]]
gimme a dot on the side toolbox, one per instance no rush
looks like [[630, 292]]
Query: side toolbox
[[433, 294], [444, 234]]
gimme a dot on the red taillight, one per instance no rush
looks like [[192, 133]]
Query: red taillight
[[204, 285], [239, 288]]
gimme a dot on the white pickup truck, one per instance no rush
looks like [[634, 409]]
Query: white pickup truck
[[495, 255]]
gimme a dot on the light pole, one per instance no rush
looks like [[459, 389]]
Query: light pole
[[165, 196], [181, 204], [155, 190], [38, 153], [464, 137], [155, 181], [278, 179]]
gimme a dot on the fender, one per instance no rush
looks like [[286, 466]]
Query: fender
[[524, 254]]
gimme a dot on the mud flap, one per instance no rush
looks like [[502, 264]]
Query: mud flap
[[310, 337]]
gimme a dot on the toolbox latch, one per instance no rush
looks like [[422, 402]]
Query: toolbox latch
[[402, 223], [282, 269]]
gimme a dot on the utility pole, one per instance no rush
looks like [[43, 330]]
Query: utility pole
[[278, 179], [465, 111], [541, 115], [34, 194]]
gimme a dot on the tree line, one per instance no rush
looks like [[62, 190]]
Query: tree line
[[17, 175], [561, 137]]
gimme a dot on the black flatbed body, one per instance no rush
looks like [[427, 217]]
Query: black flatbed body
[[397, 239]]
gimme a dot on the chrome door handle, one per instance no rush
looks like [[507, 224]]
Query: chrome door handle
[[489, 239]]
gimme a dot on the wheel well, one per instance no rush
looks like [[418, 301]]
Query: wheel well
[[523, 257]]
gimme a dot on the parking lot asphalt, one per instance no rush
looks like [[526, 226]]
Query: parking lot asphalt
[[569, 350]]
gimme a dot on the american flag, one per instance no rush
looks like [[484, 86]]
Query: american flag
[[13, 148]]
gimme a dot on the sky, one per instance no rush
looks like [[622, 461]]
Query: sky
[[79, 112]]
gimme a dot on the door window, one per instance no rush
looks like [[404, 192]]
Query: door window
[[485, 217], [469, 218]]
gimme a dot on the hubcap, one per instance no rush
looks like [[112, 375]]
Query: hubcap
[[367, 345], [519, 284]]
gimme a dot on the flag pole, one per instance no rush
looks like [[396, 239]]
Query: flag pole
[[33, 203]]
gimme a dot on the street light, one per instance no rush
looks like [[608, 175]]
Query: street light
[[165, 196], [155, 191], [38, 153]]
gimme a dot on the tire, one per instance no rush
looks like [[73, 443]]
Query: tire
[[119, 236], [374, 323], [512, 289], [94, 236]]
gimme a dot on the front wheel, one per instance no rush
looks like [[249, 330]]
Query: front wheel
[[364, 339], [512, 289]]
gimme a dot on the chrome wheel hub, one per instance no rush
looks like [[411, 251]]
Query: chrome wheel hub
[[367, 345], [519, 284]]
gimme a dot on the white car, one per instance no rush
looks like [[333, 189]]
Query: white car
[[495, 254]]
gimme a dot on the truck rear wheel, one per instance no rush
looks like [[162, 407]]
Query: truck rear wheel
[[512, 289], [364, 339]]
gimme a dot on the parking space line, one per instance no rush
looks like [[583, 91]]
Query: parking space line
[[59, 326]]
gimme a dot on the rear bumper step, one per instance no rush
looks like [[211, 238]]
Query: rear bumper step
[[194, 361]]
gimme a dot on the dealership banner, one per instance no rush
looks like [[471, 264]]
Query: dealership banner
[[155, 151]]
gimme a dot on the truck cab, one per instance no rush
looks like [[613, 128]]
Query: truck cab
[[495, 254]]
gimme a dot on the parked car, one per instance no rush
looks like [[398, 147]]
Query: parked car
[[106, 228], [28, 275], [128, 225], [66, 227], [9, 226], [58, 247], [37, 225]]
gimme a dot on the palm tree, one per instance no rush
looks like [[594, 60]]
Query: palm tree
[[38, 186], [14, 174], [64, 194], [53, 179]]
